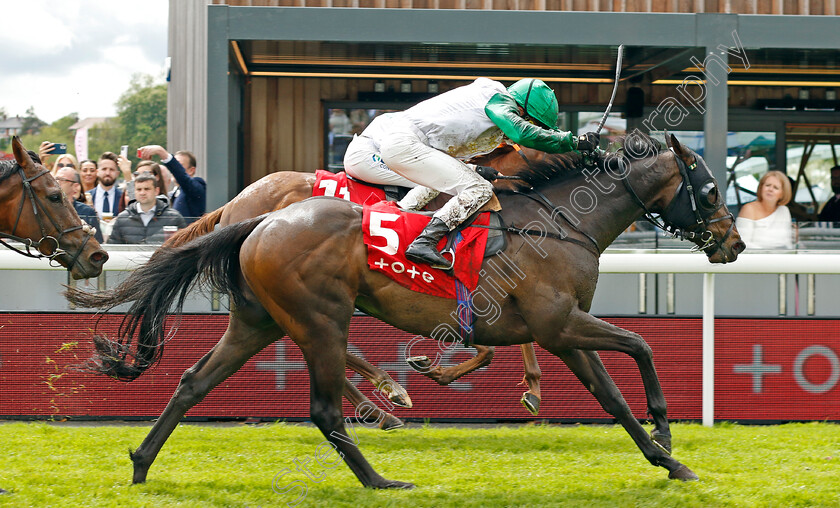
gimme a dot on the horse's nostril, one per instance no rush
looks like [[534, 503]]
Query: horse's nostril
[[739, 247], [99, 257]]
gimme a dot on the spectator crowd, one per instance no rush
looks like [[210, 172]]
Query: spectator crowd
[[141, 205]]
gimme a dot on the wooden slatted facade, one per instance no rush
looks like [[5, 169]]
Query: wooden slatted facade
[[795, 7], [282, 126]]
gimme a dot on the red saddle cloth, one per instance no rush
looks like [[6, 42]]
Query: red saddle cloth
[[337, 185], [388, 231]]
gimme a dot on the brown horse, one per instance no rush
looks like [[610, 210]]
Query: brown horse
[[34, 212], [274, 268], [279, 190]]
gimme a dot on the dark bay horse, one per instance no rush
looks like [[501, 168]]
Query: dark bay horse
[[279, 190], [285, 278], [34, 212]]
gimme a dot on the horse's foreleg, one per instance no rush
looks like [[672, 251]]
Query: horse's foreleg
[[588, 368], [239, 343], [386, 421], [380, 379], [444, 376], [531, 398], [585, 331]]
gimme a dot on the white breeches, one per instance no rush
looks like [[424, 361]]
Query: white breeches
[[363, 162], [405, 152]]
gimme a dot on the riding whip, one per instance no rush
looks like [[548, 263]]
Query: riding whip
[[615, 88]]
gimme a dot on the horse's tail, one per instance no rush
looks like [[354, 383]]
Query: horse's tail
[[154, 288], [201, 227]]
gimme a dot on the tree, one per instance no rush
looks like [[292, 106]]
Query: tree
[[31, 123], [141, 112], [56, 132], [106, 137]]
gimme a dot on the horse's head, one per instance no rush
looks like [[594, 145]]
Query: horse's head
[[34, 211], [697, 208]]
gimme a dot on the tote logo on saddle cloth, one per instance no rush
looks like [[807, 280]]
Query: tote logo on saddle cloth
[[388, 231]]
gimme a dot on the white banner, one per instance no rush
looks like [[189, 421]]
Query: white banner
[[81, 144]]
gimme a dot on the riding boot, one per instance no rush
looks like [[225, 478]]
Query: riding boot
[[424, 248]]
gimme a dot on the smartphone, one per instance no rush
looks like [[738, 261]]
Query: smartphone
[[124, 151], [59, 148]]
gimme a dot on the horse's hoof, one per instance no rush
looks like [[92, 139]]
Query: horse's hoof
[[421, 364], [391, 422], [531, 403], [140, 468], [683, 473], [394, 484], [396, 393], [3, 491], [662, 441], [402, 400]]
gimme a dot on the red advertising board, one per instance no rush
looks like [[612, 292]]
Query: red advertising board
[[766, 369]]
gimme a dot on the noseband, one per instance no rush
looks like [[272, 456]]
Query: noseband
[[46, 240], [692, 219]]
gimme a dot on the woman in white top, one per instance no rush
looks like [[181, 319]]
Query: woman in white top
[[765, 223]]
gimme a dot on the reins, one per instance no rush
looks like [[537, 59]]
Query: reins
[[705, 238], [28, 243]]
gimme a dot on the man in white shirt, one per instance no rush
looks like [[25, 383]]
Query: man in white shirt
[[106, 196]]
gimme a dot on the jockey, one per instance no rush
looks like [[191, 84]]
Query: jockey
[[423, 147]]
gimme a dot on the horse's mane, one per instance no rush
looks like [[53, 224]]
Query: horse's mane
[[557, 167], [8, 168]]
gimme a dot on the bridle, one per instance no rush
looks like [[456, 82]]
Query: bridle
[[40, 211], [691, 220]]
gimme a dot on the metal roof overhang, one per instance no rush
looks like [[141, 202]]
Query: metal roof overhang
[[582, 45]]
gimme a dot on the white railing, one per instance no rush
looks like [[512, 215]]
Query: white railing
[[686, 262], [124, 258]]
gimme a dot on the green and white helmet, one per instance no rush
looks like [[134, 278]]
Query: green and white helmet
[[537, 99]]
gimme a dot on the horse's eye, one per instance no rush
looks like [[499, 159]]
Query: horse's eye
[[708, 195], [55, 198]]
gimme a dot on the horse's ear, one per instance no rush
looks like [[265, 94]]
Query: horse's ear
[[674, 144], [22, 156], [678, 149]]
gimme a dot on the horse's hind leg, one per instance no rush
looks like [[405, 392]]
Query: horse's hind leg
[[531, 398], [373, 414], [445, 375], [240, 342], [588, 368], [380, 379]]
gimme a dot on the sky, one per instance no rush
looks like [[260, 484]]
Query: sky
[[78, 56]]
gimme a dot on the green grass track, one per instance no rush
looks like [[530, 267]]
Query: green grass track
[[70, 465]]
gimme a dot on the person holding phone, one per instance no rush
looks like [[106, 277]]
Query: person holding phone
[[48, 149], [189, 196]]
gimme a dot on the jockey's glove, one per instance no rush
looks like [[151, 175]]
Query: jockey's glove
[[487, 173], [588, 142]]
